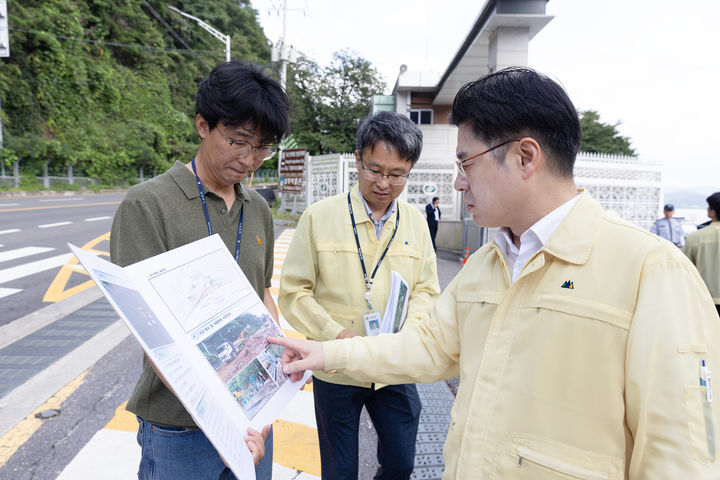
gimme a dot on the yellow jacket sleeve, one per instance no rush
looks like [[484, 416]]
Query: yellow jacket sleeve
[[667, 410]]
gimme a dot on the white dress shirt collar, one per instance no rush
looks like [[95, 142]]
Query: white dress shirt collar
[[532, 239]]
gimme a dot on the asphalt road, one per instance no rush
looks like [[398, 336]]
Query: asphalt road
[[39, 223], [108, 384], [34, 232]]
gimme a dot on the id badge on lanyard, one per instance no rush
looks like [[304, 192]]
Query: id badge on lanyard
[[372, 323], [371, 319]]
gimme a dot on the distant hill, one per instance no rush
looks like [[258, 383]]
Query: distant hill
[[695, 198]]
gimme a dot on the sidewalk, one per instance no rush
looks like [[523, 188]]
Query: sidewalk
[[89, 329]]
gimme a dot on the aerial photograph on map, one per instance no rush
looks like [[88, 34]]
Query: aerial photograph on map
[[136, 311]]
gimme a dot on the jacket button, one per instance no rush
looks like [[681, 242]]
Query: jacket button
[[223, 211]]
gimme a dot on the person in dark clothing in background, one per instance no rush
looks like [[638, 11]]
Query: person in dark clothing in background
[[433, 218]]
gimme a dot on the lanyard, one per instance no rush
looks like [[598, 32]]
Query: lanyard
[[369, 281], [207, 217]]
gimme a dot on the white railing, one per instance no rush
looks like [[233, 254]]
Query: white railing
[[625, 186]]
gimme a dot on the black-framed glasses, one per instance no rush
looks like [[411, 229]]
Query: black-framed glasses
[[461, 163], [374, 175], [241, 148]]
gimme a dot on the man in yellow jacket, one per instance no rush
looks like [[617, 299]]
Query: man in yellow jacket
[[584, 344], [336, 281], [703, 249]]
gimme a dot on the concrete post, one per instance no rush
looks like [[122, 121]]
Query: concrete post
[[508, 47]]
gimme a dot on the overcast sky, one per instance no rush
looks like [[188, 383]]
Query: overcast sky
[[650, 64]]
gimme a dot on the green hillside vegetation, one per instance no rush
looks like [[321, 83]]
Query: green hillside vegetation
[[104, 86]]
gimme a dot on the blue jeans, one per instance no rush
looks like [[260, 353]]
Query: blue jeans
[[176, 453], [395, 413]]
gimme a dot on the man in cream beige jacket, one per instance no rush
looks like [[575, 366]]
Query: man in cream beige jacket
[[579, 338], [336, 283]]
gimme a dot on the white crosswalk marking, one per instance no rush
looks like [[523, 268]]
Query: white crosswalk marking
[[6, 292], [22, 252], [12, 230], [96, 219], [50, 225], [32, 268], [9, 204], [68, 199]]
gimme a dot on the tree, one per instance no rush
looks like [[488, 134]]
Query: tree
[[598, 137], [328, 103], [104, 86]]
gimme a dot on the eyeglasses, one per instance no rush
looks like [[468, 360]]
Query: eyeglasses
[[241, 148], [374, 176], [461, 163]]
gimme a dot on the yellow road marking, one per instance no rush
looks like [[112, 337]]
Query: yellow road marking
[[123, 420], [19, 434], [25, 209], [304, 455], [56, 291]]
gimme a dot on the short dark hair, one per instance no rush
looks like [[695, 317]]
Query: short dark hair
[[435, 198], [714, 203], [395, 129], [516, 102], [235, 93], [669, 207]]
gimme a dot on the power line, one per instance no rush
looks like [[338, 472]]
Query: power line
[[173, 33], [112, 44]]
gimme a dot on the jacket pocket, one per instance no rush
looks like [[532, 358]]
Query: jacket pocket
[[582, 308], [478, 296], [543, 459], [701, 424], [403, 251]]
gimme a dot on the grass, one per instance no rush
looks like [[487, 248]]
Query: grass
[[276, 214]]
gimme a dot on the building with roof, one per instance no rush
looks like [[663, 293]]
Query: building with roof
[[498, 38]]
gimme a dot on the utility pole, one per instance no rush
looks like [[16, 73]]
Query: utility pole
[[213, 31], [282, 52], [4, 52]]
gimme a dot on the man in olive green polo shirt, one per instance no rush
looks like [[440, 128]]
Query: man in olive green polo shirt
[[240, 115]]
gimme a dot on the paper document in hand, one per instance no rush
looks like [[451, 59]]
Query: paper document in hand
[[396, 309], [204, 328]]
